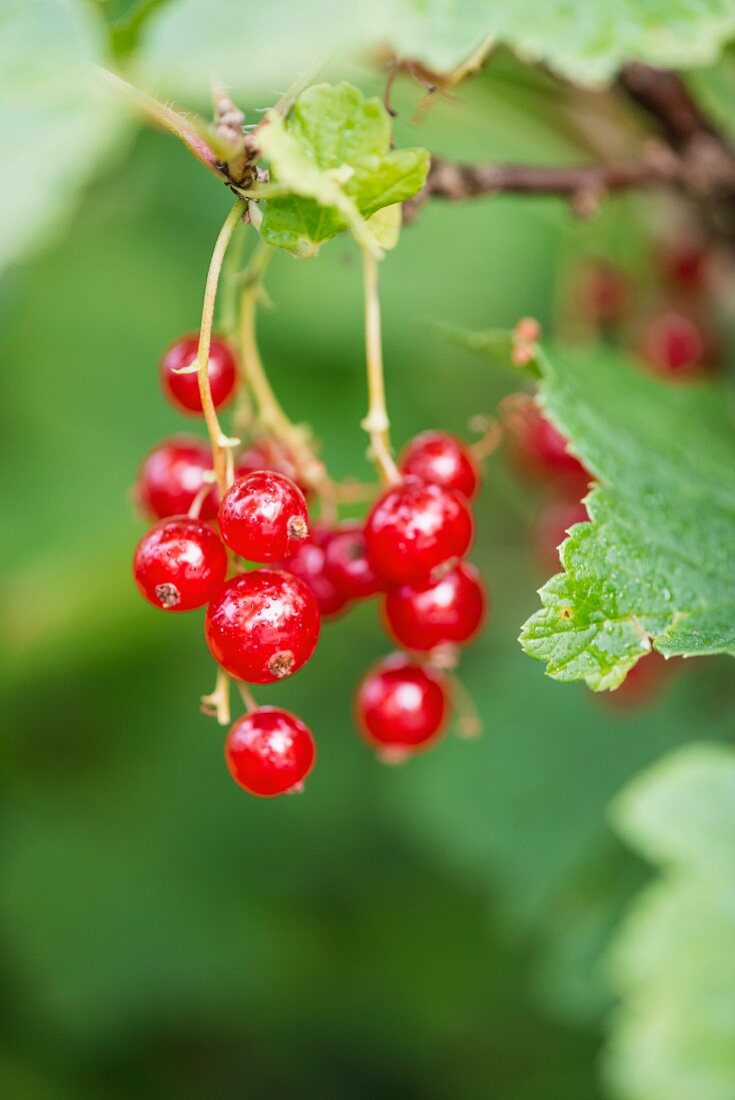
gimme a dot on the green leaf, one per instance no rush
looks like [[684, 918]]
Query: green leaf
[[588, 46], [56, 123], [332, 159], [673, 963], [655, 562]]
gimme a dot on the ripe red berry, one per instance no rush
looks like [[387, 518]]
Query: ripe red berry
[[401, 707], [684, 261], [172, 475], [540, 450], [550, 529], [416, 527], [182, 390], [268, 454], [179, 564], [450, 610], [674, 345], [604, 292], [347, 564], [442, 459], [262, 626], [263, 516], [308, 563], [643, 684], [269, 752]]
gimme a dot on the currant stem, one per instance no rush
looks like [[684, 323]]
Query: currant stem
[[247, 697], [218, 703], [218, 440], [376, 423], [270, 413]]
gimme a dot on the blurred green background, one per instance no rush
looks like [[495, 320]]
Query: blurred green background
[[435, 930]]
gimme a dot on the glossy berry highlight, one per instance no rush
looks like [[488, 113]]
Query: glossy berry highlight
[[442, 459], [263, 516], [448, 611], [415, 528], [262, 626], [179, 564], [182, 390], [269, 752], [347, 564], [401, 707], [171, 477]]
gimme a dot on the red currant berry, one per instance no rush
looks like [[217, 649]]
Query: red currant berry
[[642, 685], [604, 292], [269, 752], [347, 564], [416, 527], [442, 459], [685, 261], [262, 626], [172, 475], [263, 516], [267, 454], [550, 529], [179, 564], [425, 615], [674, 345], [401, 707], [182, 390], [308, 563], [540, 450]]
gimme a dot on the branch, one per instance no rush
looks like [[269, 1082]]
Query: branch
[[708, 160], [583, 185]]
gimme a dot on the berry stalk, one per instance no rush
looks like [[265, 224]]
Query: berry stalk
[[219, 441], [376, 423]]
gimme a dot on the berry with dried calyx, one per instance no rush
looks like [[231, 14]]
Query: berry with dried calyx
[[263, 516], [179, 564], [346, 562], [262, 626]]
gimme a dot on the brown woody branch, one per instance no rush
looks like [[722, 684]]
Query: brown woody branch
[[584, 186], [688, 154]]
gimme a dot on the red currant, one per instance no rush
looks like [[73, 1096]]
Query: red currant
[[540, 450], [674, 345], [416, 527], [685, 261], [179, 564], [266, 454], [551, 526], [450, 610], [182, 390], [263, 516], [308, 563], [172, 475], [401, 707], [347, 564], [442, 459], [642, 685], [262, 626], [605, 292], [269, 752]]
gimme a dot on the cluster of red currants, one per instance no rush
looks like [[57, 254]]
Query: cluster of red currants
[[262, 624]]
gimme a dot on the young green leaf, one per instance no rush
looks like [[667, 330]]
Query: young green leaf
[[332, 168], [655, 564], [673, 963]]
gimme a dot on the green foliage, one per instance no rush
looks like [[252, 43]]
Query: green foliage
[[673, 963], [587, 46], [655, 562], [333, 160], [56, 125]]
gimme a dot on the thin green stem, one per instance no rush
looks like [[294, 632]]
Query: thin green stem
[[376, 423], [219, 442]]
